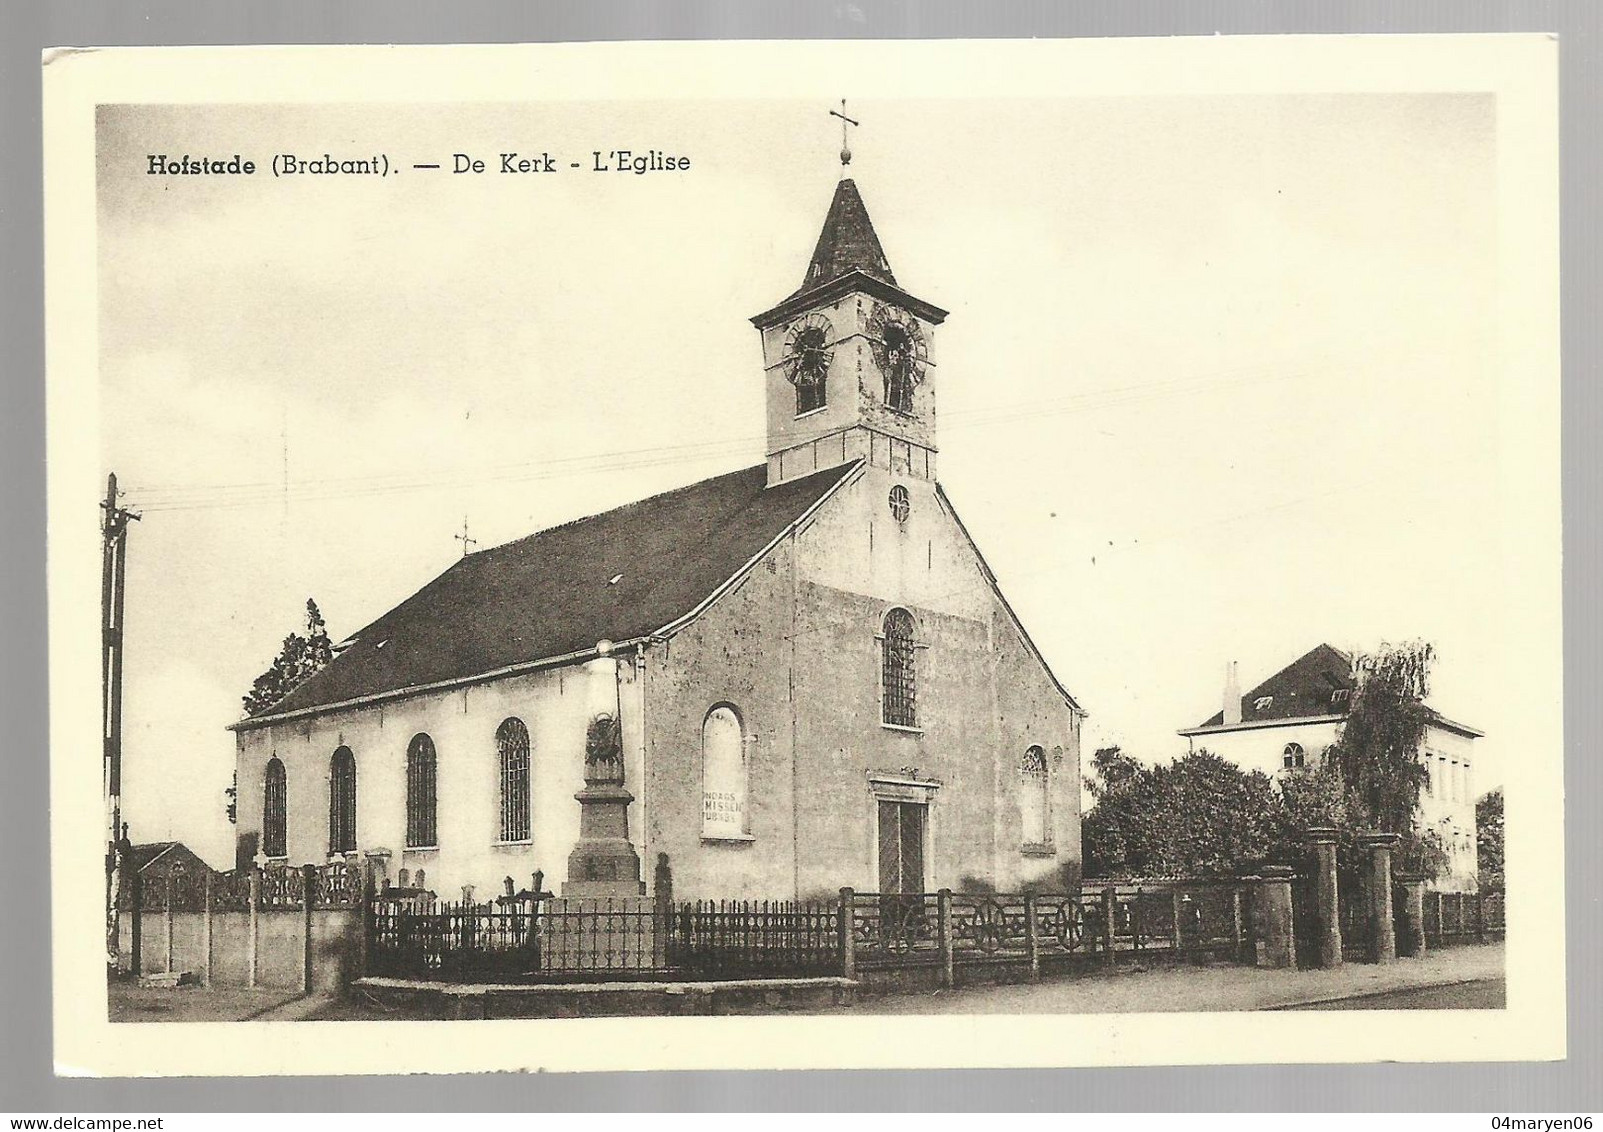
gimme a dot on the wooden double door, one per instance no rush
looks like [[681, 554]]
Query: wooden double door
[[903, 829]]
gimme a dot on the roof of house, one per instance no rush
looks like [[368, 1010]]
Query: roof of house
[[1305, 687], [143, 856], [1316, 684], [618, 576]]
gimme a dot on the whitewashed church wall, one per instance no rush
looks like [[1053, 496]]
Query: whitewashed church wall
[[556, 706], [855, 545], [737, 653]]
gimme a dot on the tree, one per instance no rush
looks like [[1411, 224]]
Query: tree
[[1489, 839], [300, 658], [1377, 756], [1196, 815]]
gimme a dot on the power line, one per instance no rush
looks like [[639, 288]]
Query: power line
[[248, 494]]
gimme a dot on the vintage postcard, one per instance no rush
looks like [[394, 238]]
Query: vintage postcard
[[747, 555]]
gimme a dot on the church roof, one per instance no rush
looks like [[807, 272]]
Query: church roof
[[847, 243], [618, 576], [1318, 683]]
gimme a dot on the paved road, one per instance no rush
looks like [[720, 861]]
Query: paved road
[[1482, 994]]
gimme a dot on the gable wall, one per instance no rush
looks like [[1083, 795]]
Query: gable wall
[[810, 703]]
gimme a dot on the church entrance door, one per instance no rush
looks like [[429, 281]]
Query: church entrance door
[[901, 846]]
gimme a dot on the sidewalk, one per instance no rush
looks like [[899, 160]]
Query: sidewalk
[[129, 1002], [1213, 988]]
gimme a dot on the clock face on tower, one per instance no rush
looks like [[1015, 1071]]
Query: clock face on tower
[[806, 360], [900, 352]]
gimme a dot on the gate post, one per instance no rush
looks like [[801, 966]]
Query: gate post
[[1383, 947], [1280, 938], [1327, 901], [167, 919], [253, 918], [1110, 906], [308, 893], [1412, 941], [1031, 942], [943, 908], [136, 925], [206, 928], [1238, 936], [848, 942]]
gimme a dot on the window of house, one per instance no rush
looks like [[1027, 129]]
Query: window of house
[[342, 802], [1293, 757], [275, 810], [1263, 703], [420, 794], [899, 687], [512, 744], [1339, 697], [1034, 798], [723, 775]]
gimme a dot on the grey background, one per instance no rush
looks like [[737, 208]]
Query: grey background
[[26, 26]]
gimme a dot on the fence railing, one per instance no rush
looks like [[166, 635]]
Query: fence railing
[[954, 929], [1462, 917], [750, 939]]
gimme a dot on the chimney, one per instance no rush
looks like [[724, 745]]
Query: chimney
[[1232, 703]]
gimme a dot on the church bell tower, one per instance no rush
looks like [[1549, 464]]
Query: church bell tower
[[848, 358]]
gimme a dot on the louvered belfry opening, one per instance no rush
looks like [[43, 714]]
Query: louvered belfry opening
[[900, 686], [420, 794], [512, 743]]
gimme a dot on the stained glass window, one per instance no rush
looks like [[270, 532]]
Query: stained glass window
[[512, 743], [899, 688], [342, 802], [420, 794], [1033, 805], [275, 808]]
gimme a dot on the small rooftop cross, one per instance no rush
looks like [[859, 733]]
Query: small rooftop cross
[[845, 139], [464, 539]]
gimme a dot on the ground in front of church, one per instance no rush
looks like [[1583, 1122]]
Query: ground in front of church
[[1466, 978]]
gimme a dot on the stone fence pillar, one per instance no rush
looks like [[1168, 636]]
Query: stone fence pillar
[[1383, 947], [1279, 940], [1327, 897], [1412, 891]]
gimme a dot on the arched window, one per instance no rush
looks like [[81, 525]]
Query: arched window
[[342, 802], [275, 809], [899, 686], [420, 794], [512, 743], [1034, 799], [1293, 757], [723, 774]]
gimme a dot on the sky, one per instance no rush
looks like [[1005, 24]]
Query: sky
[[1218, 382]]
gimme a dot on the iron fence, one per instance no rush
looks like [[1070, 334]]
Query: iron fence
[[1462, 917], [749, 939]]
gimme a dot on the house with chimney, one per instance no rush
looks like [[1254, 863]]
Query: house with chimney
[[1287, 722]]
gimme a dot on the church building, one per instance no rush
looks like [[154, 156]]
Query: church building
[[787, 679]]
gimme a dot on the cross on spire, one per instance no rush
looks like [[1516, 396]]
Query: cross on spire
[[464, 539], [845, 138]]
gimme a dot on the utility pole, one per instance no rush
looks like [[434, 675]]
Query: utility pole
[[113, 573]]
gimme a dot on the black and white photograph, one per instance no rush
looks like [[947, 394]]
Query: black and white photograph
[[886, 551]]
